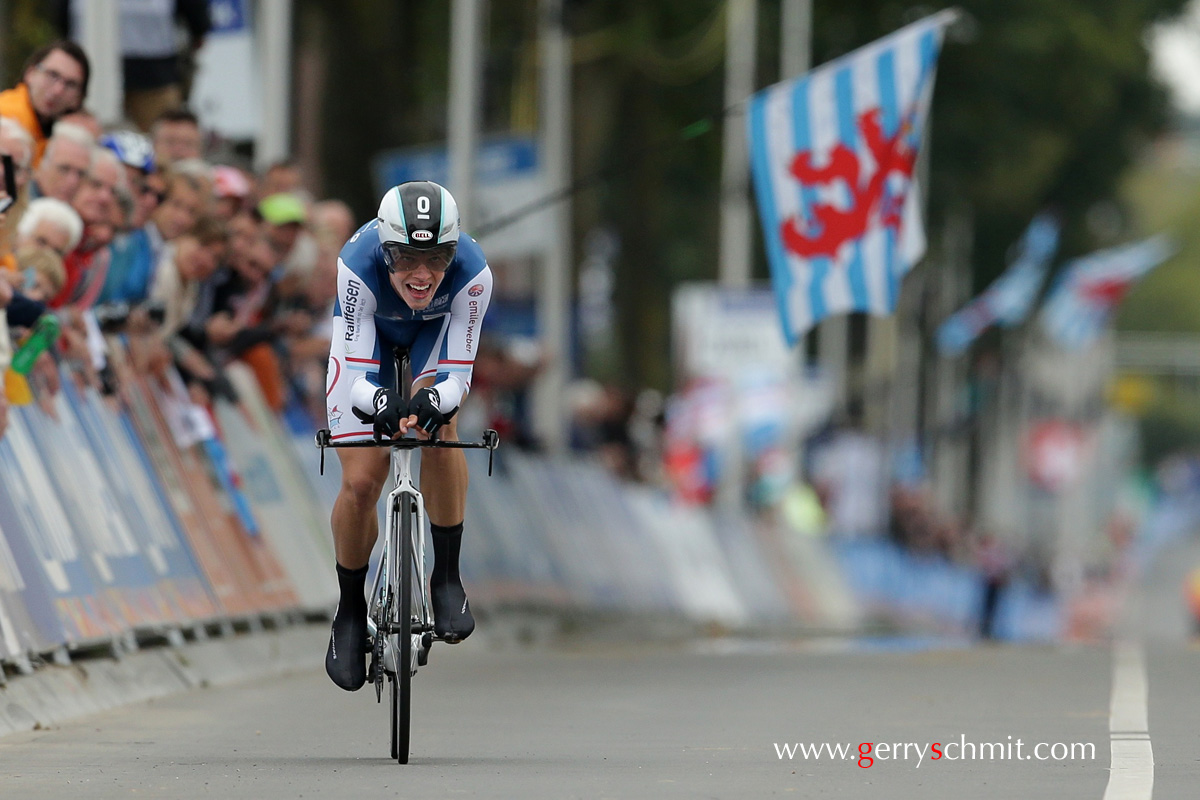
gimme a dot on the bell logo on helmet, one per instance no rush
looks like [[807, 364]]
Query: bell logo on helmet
[[422, 236]]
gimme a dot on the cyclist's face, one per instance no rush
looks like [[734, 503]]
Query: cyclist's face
[[417, 286], [416, 275]]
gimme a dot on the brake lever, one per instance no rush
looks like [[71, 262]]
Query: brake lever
[[491, 440], [322, 443]]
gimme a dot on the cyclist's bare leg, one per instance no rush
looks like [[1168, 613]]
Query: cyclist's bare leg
[[354, 522], [354, 532], [444, 487]]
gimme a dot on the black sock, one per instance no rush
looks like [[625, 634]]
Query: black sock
[[447, 540], [352, 582]]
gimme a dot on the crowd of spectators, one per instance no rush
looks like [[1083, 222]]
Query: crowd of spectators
[[198, 264]]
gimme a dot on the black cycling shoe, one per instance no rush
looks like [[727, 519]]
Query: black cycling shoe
[[452, 620], [346, 658]]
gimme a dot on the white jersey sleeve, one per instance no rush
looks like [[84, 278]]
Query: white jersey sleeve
[[354, 333]]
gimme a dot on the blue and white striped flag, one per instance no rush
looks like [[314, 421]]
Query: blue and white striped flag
[[832, 154], [1084, 296], [1010, 297]]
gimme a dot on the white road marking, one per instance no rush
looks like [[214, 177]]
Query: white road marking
[[1131, 776]]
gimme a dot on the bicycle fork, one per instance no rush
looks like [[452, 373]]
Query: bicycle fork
[[404, 498]]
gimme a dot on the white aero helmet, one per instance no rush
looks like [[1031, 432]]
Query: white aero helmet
[[415, 218]]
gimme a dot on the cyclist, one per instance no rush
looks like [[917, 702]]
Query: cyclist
[[407, 278]]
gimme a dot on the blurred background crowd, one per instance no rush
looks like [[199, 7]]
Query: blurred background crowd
[[140, 232]]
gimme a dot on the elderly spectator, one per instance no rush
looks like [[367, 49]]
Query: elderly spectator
[[96, 202], [51, 223], [83, 119], [98, 194], [54, 83], [66, 161], [15, 141], [176, 136]]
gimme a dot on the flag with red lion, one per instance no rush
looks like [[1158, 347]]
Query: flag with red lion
[[833, 154]]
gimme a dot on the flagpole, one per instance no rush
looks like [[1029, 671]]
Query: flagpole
[[741, 45], [795, 32]]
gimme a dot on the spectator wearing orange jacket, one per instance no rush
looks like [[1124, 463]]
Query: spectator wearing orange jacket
[[54, 83]]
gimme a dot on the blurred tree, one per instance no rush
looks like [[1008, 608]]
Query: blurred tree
[[1163, 194], [1046, 103], [25, 28]]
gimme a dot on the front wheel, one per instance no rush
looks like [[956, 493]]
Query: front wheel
[[402, 630]]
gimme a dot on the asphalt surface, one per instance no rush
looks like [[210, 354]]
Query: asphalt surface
[[705, 719]]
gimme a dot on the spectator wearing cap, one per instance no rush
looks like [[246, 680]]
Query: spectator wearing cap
[[132, 254], [285, 216], [53, 83], [65, 163], [176, 137], [231, 189], [295, 249], [134, 151]]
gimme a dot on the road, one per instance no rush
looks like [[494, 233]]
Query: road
[[703, 719]]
